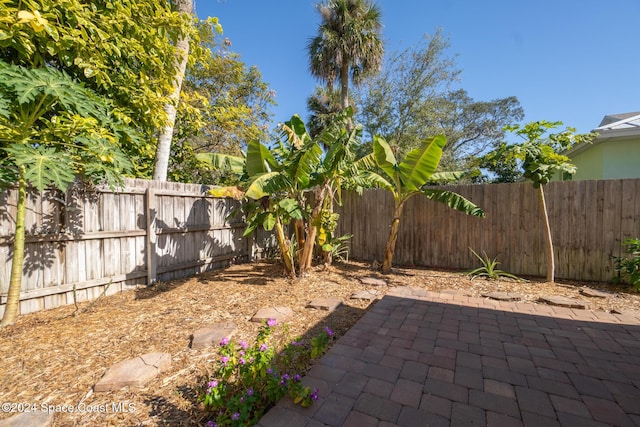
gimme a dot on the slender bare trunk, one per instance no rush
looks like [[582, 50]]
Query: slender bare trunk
[[312, 232], [328, 205], [391, 241], [15, 281], [547, 234], [285, 250], [166, 134], [298, 226]]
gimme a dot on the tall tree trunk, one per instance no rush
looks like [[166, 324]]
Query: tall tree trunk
[[344, 90], [547, 234], [15, 282], [166, 134], [390, 249], [344, 84]]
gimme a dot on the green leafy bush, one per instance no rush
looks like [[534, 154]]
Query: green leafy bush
[[628, 267], [489, 268], [248, 380]]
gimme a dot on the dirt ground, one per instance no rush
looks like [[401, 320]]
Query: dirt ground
[[53, 358]]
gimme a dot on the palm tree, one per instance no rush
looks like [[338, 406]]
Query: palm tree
[[348, 44], [324, 106]]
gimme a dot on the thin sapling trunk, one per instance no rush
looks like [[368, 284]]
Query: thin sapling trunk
[[547, 235]]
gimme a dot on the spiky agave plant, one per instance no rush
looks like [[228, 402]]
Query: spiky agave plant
[[489, 268]]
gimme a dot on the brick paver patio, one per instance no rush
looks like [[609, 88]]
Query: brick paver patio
[[438, 359]]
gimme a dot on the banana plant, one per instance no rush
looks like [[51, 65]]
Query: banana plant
[[409, 178], [296, 181], [276, 181]]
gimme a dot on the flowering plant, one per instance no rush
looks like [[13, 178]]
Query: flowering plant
[[249, 380]]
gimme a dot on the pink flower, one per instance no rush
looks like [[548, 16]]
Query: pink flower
[[263, 347], [224, 341], [212, 384], [271, 323]]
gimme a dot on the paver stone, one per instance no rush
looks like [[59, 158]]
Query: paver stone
[[280, 314], [588, 292], [564, 301], [365, 294], [328, 304], [136, 372], [212, 334], [409, 292], [29, 419], [503, 296]]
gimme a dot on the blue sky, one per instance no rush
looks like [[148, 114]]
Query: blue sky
[[568, 60]]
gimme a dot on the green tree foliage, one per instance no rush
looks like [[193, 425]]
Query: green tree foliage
[[413, 98], [76, 79], [541, 157], [121, 50], [292, 182], [224, 103], [52, 129], [324, 105], [408, 178], [501, 166], [472, 127], [348, 44]]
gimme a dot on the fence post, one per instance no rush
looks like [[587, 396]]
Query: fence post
[[151, 215]]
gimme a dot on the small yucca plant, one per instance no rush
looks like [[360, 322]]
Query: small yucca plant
[[489, 268]]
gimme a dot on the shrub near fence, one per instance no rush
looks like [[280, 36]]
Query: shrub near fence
[[589, 222], [93, 241]]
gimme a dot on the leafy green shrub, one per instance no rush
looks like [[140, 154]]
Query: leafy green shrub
[[628, 267], [489, 269], [248, 380]]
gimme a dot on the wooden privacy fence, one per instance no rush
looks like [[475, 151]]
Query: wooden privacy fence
[[589, 222], [85, 243], [88, 242]]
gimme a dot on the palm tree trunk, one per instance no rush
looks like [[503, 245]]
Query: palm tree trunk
[[391, 241], [344, 90], [547, 228], [344, 85], [15, 282], [166, 134]]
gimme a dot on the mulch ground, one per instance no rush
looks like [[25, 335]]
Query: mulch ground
[[53, 358]]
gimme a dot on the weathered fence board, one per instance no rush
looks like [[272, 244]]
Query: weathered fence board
[[589, 222], [85, 243]]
